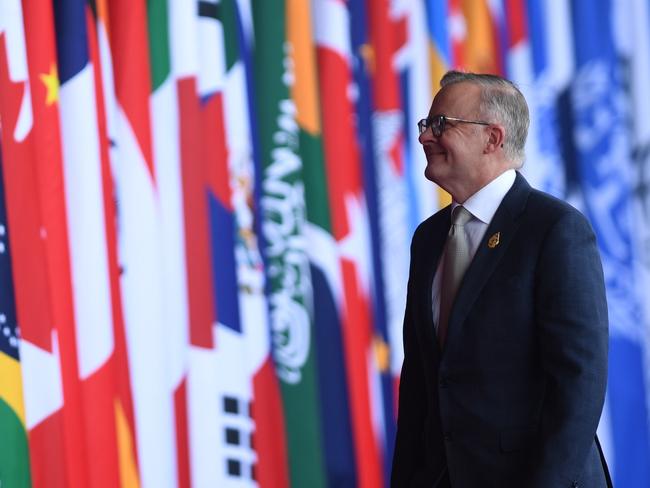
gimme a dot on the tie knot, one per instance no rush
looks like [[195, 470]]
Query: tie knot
[[460, 216]]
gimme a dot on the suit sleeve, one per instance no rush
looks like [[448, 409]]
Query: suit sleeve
[[571, 316], [408, 457]]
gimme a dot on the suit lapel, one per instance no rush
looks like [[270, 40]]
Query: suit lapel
[[434, 247], [486, 259]]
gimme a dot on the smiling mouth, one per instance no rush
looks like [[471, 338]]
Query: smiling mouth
[[433, 152]]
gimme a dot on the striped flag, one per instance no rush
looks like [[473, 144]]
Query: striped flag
[[91, 292], [206, 405], [139, 237], [350, 229], [166, 151], [605, 177], [321, 247], [100, 55]]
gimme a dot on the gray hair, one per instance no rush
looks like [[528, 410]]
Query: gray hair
[[503, 103]]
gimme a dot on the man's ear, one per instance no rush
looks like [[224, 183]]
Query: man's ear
[[496, 138]]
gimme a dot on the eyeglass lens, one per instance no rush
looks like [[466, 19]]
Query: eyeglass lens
[[437, 124]]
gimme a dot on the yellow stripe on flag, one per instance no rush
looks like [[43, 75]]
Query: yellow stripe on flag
[[438, 67], [11, 386], [479, 51], [126, 450], [303, 54]]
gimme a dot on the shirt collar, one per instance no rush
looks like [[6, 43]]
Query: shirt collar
[[484, 203]]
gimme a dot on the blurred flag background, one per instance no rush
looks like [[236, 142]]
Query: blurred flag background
[[205, 216]]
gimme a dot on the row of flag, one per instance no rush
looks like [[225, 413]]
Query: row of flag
[[205, 216]]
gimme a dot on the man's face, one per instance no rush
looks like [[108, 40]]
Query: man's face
[[454, 159]]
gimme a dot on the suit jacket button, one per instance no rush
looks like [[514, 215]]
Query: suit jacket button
[[574, 484], [444, 383], [447, 436]]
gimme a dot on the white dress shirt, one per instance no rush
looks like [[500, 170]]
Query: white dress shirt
[[482, 205]]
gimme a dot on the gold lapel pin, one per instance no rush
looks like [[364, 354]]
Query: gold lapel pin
[[494, 240]]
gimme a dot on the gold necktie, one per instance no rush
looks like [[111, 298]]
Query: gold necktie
[[456, 260]]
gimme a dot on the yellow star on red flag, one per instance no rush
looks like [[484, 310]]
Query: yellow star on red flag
[[51, 82]]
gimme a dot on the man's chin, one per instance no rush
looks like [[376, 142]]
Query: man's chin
[[430, 174]]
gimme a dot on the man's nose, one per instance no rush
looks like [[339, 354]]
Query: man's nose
[[426, 136]]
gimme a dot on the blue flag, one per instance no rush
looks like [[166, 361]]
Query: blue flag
[[604, 175]]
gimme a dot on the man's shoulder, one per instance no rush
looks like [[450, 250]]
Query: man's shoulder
[[544, 205], [549, 215], [439, 219]]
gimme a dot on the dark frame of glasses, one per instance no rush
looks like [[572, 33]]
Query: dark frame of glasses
[[439, 122]]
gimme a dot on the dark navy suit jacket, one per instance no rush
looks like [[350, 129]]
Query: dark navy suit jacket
[[515, 396]]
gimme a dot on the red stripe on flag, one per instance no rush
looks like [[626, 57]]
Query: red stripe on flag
[[269, 439], [515, 11], [44, 446], [130, 48], [384, 35], [215, 152], [357, 344], [387, 36], [182, 436], [341, 150], [396, 152], [117, 382], [197, 239], [120, 359], [101, 435]]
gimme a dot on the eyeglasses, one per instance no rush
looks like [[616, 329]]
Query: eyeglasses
[[439, 122]]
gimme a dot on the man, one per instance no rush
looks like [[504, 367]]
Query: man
[[505, 330]]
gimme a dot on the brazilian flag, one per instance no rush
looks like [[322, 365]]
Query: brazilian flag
[[14, 456]]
